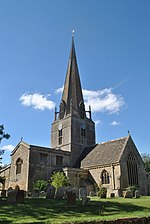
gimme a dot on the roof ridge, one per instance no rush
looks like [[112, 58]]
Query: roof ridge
[[113, 140]]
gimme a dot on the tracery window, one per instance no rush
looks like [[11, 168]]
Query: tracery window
[[105, 177], [18, 166], [132, 170]]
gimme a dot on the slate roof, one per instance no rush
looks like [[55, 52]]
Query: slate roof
[[105, 153]]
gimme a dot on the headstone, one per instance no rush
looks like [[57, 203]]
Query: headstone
[[71, 197], [20, 197], [76, 191], [3, 193], [82, 192], [12, 196], [128, 194], [137, 194], [35, 193], [60, 193], [42, 194], [85, 201], [50, 193]]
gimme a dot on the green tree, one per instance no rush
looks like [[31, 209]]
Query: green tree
[[40, 185], [3, 135], [58, 179], [146, 159]]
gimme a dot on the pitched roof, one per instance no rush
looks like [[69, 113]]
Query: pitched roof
[[105, 153]]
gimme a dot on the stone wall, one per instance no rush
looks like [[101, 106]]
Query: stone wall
[[114, 173], [22, 152]]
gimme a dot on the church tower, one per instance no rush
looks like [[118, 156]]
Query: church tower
[[73, 128]]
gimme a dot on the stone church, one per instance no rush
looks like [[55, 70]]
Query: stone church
[[116, 164]]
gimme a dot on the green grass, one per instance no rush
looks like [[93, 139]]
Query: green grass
[[40, 210]]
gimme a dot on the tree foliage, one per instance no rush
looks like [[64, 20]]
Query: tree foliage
[[146, 159], [40, 185], [58, 179], [3, 135]]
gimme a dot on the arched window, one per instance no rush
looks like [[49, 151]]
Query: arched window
[[18, 166], [105, 178], [132, 170], [82, 110], [62, 109]]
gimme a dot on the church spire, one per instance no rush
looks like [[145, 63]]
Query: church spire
[[72, 97]]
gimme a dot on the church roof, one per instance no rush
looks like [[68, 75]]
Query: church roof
[[105, 153], [72, 93]]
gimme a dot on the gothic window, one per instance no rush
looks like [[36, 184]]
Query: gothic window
[[105, 178], [82, 110], [60, 136], [43, 158], [18, 166], [62, 110], [59, 160], [132, 170]]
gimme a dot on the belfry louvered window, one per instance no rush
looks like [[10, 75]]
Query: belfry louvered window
[[105, 178], [62, 109], [82, 110], [132, 170]]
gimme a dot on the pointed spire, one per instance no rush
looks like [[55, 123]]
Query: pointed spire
[[72, 94]]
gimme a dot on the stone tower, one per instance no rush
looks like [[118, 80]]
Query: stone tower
[[72, 130]]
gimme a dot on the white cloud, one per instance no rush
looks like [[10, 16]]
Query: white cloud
[[103, 100], [98, 122], [8, 147], [38, 101], [59, 90], [115, 123]]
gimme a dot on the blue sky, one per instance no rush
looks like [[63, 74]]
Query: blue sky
[[112, 40]]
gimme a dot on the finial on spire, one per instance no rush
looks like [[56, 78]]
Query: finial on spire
[[73, 33]]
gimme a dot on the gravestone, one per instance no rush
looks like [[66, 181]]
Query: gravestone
[[71, 197], [76, 191], [60, 193], [20, 197], [35, 193], [3, 193], [128, 194], [12, 196], [42, 194], [82, 192], [50, 193], [137, 194], [85, 201]]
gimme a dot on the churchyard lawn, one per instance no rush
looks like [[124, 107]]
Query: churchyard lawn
[[41, 210]]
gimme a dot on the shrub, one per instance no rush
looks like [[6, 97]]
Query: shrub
[[102, 192], [40, 185]]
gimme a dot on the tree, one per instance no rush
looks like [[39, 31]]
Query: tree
[[3, 135], [146, 159], [40, 185], [58, 179]]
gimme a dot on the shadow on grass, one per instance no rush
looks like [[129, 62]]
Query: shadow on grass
[[40, 209]]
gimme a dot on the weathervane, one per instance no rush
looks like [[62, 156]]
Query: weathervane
[[73, 33]]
